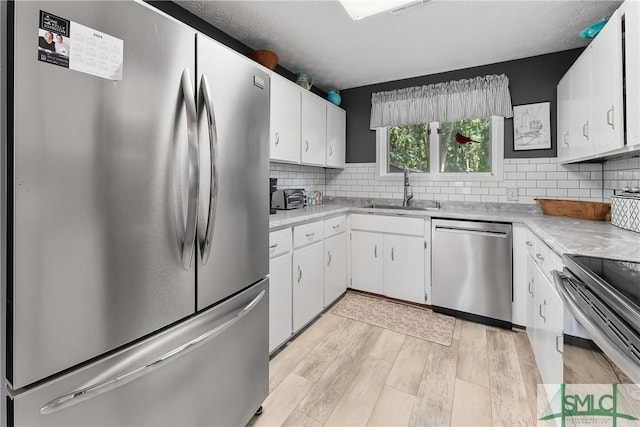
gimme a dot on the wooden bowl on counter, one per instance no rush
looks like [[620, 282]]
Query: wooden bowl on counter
[[594, 211], [264, 57]]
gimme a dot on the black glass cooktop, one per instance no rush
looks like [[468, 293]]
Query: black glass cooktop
[[621, 277]]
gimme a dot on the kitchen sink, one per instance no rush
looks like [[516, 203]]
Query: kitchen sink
[[435, 207]]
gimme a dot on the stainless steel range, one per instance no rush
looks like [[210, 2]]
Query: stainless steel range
[[603, 295]]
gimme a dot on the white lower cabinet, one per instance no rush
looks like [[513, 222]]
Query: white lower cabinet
[[367, 273], [545, 312], [280, 310], [388, 256], [335, 267], [279, 300], [404, 267], [308, 299]]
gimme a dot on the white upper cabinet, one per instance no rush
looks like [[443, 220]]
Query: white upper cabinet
[[564, 118], [591, 95], [314, 129], [336, 136], [607, 128], [632, 65], [304, 128], [580, 125], [284, 136]]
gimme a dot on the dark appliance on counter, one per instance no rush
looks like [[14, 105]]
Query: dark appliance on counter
[[603, 295], [285, 199], [273, 185]]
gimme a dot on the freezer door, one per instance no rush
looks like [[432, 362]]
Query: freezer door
[[99, 191], [233, 101], [211, 370]]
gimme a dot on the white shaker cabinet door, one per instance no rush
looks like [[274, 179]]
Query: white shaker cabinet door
[[581, 128], [280, 311], [606, 88], [314, 129], [284, 135], [366, 262], [336, 136], [308, 284], [335, 267], [564, 118], [404, 268]]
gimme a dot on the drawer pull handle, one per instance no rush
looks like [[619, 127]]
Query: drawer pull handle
[[529, 244], [330, 151], [299, 274], [275, 245], [335, 227], [310, 235], [306, 145], [544, 316], [375, 251], [540, 257], [277, 138], [392, 258], [566, 135], [559, 344], [531, 287], [329, 255]]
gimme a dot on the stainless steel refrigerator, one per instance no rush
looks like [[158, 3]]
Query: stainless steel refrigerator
[[135, 220]]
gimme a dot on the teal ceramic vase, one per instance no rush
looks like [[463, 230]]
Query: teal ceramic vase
[[334, 97]]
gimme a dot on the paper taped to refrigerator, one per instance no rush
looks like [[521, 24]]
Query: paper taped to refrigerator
[[75, 46]]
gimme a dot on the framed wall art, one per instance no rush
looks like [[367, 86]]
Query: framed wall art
[[531, 127]]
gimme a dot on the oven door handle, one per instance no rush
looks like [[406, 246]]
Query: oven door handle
[[598, 336]]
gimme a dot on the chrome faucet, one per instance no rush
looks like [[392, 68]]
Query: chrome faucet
[[407, 197]]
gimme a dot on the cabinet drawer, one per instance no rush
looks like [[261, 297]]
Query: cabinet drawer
[[388, 224], [333, 226], [308, 233], [279, 242]]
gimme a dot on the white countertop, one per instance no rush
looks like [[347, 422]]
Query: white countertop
[[563, 235]]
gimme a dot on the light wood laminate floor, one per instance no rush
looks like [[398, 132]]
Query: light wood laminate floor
[[341, 372]]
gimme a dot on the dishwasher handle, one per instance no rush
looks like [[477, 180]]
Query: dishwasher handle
[[472, 231]]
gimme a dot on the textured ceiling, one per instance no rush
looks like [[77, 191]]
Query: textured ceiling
[[320, 38]]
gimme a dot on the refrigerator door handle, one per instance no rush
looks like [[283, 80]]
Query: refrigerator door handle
[[204, 99], [188, 242], [91, 391]]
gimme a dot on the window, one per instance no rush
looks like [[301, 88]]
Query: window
[[408, 147], [443, 151]]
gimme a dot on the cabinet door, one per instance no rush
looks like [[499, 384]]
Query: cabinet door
[[632, 75], [366, 262], [314, 129], [553, 336], [284, 136], [335, 267], [531, 301], [307, 284], [580, 90], [606, 87], [404, 267], [564, 117], [336, 136], [279, 300]]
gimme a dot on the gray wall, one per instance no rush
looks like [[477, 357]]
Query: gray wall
[[531, 80]]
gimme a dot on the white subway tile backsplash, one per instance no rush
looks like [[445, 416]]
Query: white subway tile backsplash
[[534, 178]]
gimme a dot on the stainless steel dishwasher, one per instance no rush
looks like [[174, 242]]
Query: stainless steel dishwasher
[[471, 266]]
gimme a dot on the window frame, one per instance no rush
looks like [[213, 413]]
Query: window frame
[[434, 174]]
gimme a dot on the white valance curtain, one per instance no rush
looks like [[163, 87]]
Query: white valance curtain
[[444, 102]]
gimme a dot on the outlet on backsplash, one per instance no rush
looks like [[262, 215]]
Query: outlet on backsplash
[[512, 194]]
